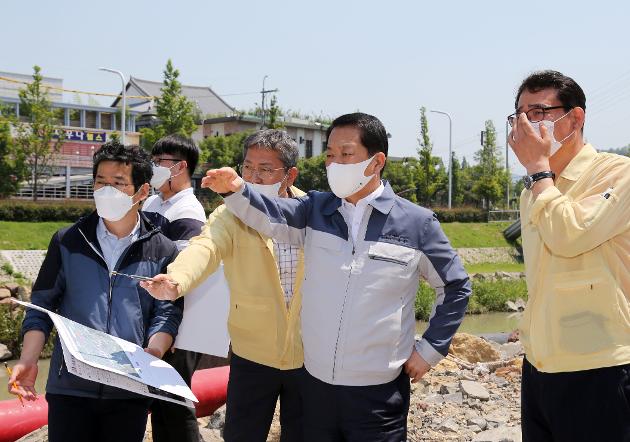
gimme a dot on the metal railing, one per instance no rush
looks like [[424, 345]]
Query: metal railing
[[502, 215]]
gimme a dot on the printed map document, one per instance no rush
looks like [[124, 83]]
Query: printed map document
[[99, 357], [206, 309]]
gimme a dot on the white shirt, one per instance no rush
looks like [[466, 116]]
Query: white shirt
[[184, 204], [354, 214], [287, 257], [113, 247]]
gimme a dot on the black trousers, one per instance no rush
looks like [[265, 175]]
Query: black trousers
[[171, 422], [78, 419], [589, 405], [374, 413], [253, 390]]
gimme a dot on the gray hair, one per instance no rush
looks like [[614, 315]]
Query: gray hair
[[276, 140]]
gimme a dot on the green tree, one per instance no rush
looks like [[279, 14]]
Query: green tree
[[274, 115], [489, 176], [38, 140], [429, 175], [402, 176], [13, 167], [176, 114], [223, 151], [312, 174]]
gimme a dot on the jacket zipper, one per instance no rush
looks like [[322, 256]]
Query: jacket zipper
[[387, 259], [343, 309], [109, 297]]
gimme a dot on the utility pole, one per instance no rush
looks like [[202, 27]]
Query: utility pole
[[450, 154], [124, 102], [507, 169], [263, 92]]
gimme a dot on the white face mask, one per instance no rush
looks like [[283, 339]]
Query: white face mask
[[550, 125], [160, 175], [269, 190], [112, 204], [347, 179]]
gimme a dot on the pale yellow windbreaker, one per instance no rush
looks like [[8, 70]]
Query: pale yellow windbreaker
[[576, 242], [262, 329]]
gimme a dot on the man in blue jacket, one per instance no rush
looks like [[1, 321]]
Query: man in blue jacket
[[76, 281], [365, 249]]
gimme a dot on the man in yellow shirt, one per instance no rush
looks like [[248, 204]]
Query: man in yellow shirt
[[263, 276], [575, 217]]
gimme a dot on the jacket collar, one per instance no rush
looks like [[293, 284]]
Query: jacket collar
[[88, 225], [383, 203], [579, 163]]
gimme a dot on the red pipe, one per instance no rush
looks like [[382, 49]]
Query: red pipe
[[209, 386]]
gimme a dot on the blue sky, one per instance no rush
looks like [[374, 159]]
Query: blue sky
[[385, 58]]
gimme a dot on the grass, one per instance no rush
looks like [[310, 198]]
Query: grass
[[27, 235], [491, 267], [487, 296], [36, 235], [476, 234]]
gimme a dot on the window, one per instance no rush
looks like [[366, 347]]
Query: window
[[106, 121], [90, 119], [75, 118], [308, 149]]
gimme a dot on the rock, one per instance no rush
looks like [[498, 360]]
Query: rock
[[449, 425], [434, 399], [4, 353], [449, 388], [473, 349], [474, 389], [5, 293], [481, 370], [210, 435], [512, 369], [498, 381], [24, 293], [13, 288], [500, 434], [499, 338], [217, 419], [478, 421], [39, 435], [474, 428], [456, 398], [497, 418], [510, 350]]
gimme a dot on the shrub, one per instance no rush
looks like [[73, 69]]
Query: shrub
[[461, 214], [17, 210], [487, 296], [11, 318]]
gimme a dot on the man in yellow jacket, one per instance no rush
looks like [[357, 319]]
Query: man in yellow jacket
[[263, 277], [575, 217]]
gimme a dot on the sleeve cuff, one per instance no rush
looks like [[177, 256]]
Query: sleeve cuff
[[547, 195], [183, 288], [428, 353]]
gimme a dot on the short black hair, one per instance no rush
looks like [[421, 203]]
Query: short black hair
[[140, 160], [372, 131], [276, 140], [181, 146], [569, 92]]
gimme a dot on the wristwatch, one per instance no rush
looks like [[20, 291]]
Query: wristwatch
[[529, 180]]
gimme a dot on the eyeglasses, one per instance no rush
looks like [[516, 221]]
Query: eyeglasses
[[534, 115], [118, 185], [158, 160], [263, 173]]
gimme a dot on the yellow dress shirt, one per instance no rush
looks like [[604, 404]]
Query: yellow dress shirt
[[262, 327], [576, 243]]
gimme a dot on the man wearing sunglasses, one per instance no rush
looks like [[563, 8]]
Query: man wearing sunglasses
[[575, 217], [263, 276], [174, 160]]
